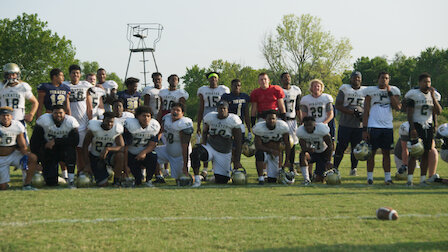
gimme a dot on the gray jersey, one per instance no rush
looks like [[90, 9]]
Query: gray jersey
[[351, 98]]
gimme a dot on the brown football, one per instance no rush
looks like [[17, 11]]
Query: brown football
[[386, 213]]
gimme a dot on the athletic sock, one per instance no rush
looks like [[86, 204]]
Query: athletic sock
[[387, 176], [370, 175], [422, 178], [197, 178], [261, 178], [306, 175], [65, 174], [71, 177], [410, 177]]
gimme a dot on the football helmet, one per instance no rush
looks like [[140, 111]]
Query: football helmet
[[444, 155], [185, 180], [83, 181], [402, 173], [239, 176], [291, 143], [286, 177], [11, 68], [362, 151], [416, 149], [248, 149], [332, 177], [38, 180], [439, 142]]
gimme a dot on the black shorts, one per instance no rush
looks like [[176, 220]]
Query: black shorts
[[425, 134], [321, 160], [220, 179], [348, 135], [381, 138]]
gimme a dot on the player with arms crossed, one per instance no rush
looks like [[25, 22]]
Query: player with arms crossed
[[268, 135], [317, 104], [220, 130], [109, 86], [421, 104], [13, 150], [54, 140], [54, 93], [377, 122], [151, 94], [177, 130], [106, 148], [171, 95], [315, 141], [350, 102]]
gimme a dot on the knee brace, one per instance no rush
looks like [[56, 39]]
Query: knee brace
[[259, 156]]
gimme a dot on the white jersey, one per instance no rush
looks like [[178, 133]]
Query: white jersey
[[78, 102], [9, 134], [123, 117], [141, 136], [15, 97], [220, 131], [380, 114], [423, 106], [52, 131], [108, 86], [171, 96], [317, 107], [171, 132], [212, 96], [316, 138], [103, 138], [98, 94], [353, 97], [291, 100], [154, 101], [275, 135]]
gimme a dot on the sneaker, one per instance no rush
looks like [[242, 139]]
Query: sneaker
[[29, 188], [148, 184], [389, 182], [203, 176], [127, 182], [433, 178], [71, 185], [306, 182], [409, 184], [370, 182], [196, 184], [354, 172], [159, 180], [402, 170]]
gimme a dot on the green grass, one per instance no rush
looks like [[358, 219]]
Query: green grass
[[228, 218]]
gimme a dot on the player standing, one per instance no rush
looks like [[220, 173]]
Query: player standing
[[266, 97], [54, 93], [171, 95], [130, 96], [268, 135], [97, 94], [377, 122], [421, 104], [151, 94], [109, 86], [350, 102]]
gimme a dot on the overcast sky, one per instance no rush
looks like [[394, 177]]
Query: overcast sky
[[197, 32]]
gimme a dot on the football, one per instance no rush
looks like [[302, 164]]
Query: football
[[386, 213]]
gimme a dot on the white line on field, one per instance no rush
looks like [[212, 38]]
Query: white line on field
[[200, 218]]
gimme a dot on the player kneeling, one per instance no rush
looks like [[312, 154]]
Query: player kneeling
[[177, 131], [141, 140], [106, 148], [268, 135], [220, 130], [54, 140], [12, 135], [315, 141]]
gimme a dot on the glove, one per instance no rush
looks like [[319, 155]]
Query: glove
[[24, 162], [249, 137], [357, 113]]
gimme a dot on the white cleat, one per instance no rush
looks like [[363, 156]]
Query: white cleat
[[196, 184], [354, 172], [148, 184]]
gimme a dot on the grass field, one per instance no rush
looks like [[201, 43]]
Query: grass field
[[228, 218]]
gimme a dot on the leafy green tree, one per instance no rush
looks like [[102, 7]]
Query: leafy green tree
[[27, 41], [89, 67], [193, 79], [370, 68], [301, 47]]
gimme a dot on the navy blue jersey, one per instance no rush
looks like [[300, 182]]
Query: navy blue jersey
[[54, 95], [237, 104], [131, 101]]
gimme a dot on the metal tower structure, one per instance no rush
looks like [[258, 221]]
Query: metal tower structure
[[143, 38]]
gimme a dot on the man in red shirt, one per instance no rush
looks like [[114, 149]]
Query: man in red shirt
[[266, 97]]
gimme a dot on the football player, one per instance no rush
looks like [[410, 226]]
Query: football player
[[268, 135], [54, 140], [109, 86], [316, 145], [220, 130], [151, 94], [14, 92], [80, 107], [141, 135], [97, 94], [317, 104], [130, 96], [171, 95], [377, 122], [106, 148], [54, 93], [292, 102], [13, 150], [120, 115], [266, 97], [177, 130], [421, 104], [208, 98], [350, 102]]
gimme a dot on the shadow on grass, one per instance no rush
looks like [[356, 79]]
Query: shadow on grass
[[402, 246]]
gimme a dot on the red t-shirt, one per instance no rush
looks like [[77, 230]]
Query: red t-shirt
[[266, 99]]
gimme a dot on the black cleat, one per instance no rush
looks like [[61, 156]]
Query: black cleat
[[159, 180]]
